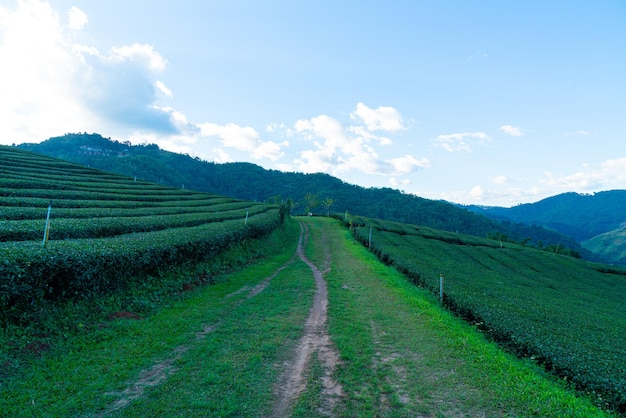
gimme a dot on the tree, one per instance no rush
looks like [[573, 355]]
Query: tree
[[285, 209], [311, 202], [327, 203]]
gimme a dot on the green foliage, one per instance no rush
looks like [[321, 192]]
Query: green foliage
[[106, 231], [251, 182], [581, 216], [563, 312], [611, 245]]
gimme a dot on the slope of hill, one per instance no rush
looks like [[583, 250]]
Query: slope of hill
[[580, 216], [610, 245], [593, 220], [108, 230], [567, 313], [377, 346], [249, 181], [67, 230]]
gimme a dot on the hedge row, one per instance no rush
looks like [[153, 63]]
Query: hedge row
[[39, 212], [43, 202], [102, 227], [85, 267], [558, 310]]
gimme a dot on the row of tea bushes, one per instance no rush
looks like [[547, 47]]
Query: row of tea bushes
[[104, 230], [566, 313]]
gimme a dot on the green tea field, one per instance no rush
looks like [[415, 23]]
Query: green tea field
[[566, 313], [103, 230], [125, 298]]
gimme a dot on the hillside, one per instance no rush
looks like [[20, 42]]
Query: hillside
[[251, 182], [580, 216], [129, 296], [610, 245], [287, 336], [72, 231], [594, 220], [568, 314]]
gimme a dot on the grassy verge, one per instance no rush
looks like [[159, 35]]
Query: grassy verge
[[219, 350], [402, 355], [91, 365]]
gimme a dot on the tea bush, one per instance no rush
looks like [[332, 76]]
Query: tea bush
[[563, 312]]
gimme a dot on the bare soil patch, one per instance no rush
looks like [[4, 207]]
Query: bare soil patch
[[161, 371], [315, 340]]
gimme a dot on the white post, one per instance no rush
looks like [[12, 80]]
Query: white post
[[370, 242], [246, 222], [441, 288], [46, 230]]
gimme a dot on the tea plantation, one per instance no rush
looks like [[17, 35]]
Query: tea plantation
[[568, 314], [104, 230]]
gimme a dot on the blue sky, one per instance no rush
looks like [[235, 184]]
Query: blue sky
[[484, 102]]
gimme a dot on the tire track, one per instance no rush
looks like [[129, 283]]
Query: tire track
[[315, 340], [161, 371]]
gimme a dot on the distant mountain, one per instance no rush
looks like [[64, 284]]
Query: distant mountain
[[610, 245], [596, 221], [580, 216], [251, 182]]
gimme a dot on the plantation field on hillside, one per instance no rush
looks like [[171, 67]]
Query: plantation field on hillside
[[103, 230], [566, 313]]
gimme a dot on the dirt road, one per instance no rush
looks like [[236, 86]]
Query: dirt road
[[293, 380], [315, 340]]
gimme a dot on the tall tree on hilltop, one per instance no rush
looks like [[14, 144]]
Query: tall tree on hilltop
[[311, 202]]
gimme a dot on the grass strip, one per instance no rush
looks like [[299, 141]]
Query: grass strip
[[403, 355], [85, 375]]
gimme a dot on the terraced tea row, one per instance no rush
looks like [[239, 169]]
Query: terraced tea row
[[564, 312], [104, 230]]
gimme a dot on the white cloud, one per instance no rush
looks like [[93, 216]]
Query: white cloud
[[163, 88], [500, 180], [221, 156], [511, 130], [120, 86], [399, 183], [37, 76], [606, 175], [340, 150], [580, 132], [243, 138], [383, 118], [51, 85], [407, 164], [460, 141], [77, 19], [477, 193], [142, 53]]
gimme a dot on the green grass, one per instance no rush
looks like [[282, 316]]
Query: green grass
[[401, 354], [220, 352], [86, 373], [564, 312]]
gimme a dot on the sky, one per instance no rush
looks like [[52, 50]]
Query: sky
[[493, 103]]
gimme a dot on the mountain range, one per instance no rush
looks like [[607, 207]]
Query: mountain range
[[574, 224], [597, 221]]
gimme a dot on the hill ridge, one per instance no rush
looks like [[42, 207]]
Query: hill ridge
[[308, 191]]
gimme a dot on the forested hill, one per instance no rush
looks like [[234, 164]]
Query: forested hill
[[249, 181], [581, 216]]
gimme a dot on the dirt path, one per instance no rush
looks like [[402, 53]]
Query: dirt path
[[159, 372], [315, 340]]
